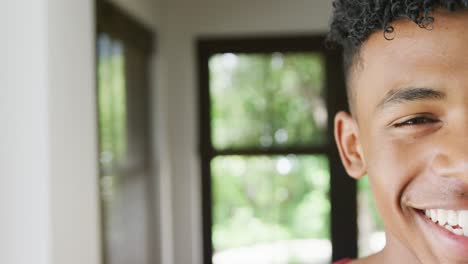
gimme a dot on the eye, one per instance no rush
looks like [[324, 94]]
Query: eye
[[415, 121]]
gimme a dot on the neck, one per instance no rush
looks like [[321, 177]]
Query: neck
[[394, 252]]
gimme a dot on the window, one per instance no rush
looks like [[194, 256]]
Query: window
[[371, 229], [274, 190], [123, 50]]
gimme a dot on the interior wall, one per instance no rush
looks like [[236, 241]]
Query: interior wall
[[72, 132], [48, 172], [24, 170], [185, 22]]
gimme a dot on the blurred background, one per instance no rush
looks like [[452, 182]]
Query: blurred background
[[175, 132]]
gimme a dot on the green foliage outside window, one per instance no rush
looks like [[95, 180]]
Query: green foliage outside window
[[258, 201], [112, 102], [265, 100]]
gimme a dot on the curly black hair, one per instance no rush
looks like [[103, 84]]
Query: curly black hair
[[353, 21]]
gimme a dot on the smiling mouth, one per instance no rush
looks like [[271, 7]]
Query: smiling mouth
[[455, 221]]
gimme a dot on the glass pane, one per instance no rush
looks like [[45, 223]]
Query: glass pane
[[371, 229], [124, 175], [112, 103], [271, 209], [265, 100]]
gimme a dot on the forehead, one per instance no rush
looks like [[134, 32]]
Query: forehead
[[415, 57]]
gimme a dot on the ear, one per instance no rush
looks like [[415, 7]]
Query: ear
[[349, 145]]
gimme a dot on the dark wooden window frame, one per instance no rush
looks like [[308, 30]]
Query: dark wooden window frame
[[116, 22], [342, 188]]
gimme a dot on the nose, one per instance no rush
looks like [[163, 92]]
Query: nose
[[451, 152]]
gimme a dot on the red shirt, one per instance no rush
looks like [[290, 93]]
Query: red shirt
[[343, 261]]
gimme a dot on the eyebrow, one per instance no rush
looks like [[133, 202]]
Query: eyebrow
[[410, 94]]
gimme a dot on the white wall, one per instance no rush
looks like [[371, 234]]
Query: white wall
[[48, 172], [186, 20], [72, 132], [24, 170]]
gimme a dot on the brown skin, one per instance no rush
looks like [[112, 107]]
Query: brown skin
[[411, 166]]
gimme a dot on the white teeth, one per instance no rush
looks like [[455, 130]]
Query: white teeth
[[433, 215], [458, 231], [463, 219], [442, 217], [454, 221], [452, 218]]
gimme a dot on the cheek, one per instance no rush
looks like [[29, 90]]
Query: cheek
[[392, 166]]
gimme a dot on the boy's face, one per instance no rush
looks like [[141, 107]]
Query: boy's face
[[409, 133]]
